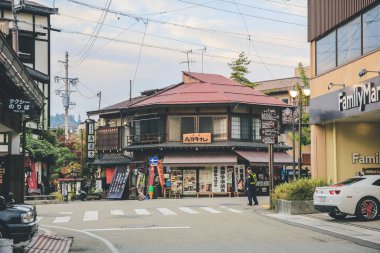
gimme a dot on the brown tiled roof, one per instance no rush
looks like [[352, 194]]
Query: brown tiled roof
[[278, 84], [208, 89]]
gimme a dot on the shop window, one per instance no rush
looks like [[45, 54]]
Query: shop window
[[174, 128], [349, 41], [371, 30], [187, 125], [220, 128], [3, 138], [137, 130], [205, 124], [326, 53], [205, 180], [235, 127], [256, 129]]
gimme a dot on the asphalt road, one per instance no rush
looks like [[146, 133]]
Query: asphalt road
[[182, 225]]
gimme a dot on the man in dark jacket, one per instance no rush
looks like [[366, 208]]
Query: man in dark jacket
[[250, 186]]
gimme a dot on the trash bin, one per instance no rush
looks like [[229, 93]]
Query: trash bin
[[6, 246]]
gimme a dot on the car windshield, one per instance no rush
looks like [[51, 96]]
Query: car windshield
[[349, 181]]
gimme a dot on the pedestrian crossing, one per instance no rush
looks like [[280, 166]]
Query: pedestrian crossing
[[93, 215]]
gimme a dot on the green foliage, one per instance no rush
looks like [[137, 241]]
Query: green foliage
[[41, 150], [239, 69], [301, 189], [58, 196]]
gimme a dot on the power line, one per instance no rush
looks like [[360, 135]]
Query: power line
[[244, 14], [287, 3], [138, 60], [174, 10]]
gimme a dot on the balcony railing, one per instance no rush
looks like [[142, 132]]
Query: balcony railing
[[145, 139]]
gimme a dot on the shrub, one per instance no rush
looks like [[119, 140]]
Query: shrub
[[58, 196], [301, 189]]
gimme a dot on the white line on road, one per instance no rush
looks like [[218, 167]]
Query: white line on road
[[117, 212], [188, 210], [231, 209], [39, 218], [211, 210], [105, 241], [142, 228], [166, 211], [90, 216], [62, 219], [65, 213], [142, 212]]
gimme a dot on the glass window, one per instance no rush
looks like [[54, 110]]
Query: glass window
[[205, 124], [371, 30], [349, 181], [285, 100], [3, 138], [349, 41], [137, 130], [326, 53], [256, 129], [174, 128], [235, 128], [245, 128], [220, 128], [187, 125], [377, 182]]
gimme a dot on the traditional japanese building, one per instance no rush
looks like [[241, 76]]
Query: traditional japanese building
[[205, 130]]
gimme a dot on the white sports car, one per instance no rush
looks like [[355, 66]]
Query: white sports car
[[359, 196]]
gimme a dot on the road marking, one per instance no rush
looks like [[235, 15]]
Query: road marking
[[188, 210], [90, 216], [231, 209], [166, 211], [211, 210], [39, 218], [62, 219], [142, 228], [117, 212], [142, 212], [65, 213], [105, 241]]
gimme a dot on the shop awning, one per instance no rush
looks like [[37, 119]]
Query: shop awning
[[199, 159], [257, 157], [111, 160]]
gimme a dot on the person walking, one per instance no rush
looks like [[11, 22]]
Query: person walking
[[250, 185]]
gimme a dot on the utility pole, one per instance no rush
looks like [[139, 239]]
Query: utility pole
[[65, 94], [99, 95], [14, 28]]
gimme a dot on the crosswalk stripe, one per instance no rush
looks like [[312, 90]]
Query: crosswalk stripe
[[188, 210], [39, 218], [231, 209], [62, 219], [117, 212], [142, 212], [65, 213], [166, 211], [211, 210], [90, 216]]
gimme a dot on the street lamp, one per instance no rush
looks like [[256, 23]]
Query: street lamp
[[298, 93], [363, 72]]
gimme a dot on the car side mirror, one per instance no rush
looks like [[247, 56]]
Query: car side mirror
[[3, 204]]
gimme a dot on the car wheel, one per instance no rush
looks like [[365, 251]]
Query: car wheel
[[367, 209], [337, 215]]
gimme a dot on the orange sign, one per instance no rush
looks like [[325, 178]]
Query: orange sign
[[160, 171], [197, 138]]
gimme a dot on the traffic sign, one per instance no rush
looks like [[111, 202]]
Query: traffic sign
[[269, 139], [153, 160], [270, 114], [267, 124]]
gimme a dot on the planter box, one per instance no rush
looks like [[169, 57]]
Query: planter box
[[295, 207]]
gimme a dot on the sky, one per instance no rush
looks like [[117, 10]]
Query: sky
[[111, 42]]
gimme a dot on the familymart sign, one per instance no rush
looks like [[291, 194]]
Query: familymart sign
[[363, 95]]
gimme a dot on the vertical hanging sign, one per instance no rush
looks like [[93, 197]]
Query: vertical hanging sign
[[90, 140]]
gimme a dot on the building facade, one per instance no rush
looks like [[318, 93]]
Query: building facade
[[204, 131], [345, 85]]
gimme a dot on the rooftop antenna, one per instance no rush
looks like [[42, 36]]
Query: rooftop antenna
[[188, 61]]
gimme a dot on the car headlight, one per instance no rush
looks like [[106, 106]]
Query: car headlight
[[27, 217]]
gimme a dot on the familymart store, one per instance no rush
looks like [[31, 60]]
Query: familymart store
[[345, 131]]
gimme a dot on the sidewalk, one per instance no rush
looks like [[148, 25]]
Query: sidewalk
[[363, 233]]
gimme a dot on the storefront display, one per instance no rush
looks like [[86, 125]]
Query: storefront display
[[205, 179], [189, 182], [239, 175], [176, 181]]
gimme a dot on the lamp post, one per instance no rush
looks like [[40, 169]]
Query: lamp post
[[294, 93]]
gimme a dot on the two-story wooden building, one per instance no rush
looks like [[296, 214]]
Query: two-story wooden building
[[205, 129]]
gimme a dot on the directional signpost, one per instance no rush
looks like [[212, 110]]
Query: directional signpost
[[269, 133]]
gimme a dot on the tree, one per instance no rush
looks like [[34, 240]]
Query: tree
[[305, 138], [239, 69]]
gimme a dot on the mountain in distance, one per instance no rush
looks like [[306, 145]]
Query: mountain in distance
[[59, 121]]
